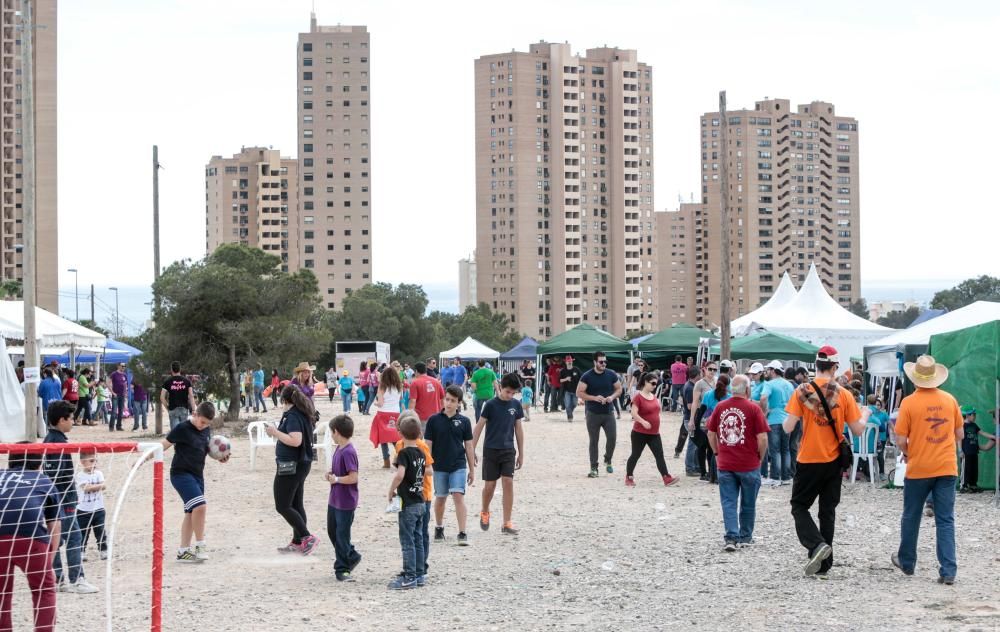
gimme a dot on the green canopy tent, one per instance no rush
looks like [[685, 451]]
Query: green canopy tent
[[767, 345], [682, 339], [972, 356], [582, 341]]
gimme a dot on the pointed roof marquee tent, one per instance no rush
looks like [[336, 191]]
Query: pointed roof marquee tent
[[470, 349], [524, 350], [52, 330], [784, 295]]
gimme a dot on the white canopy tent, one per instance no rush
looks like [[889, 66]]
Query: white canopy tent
[[881, 353], [11, 400], [470, 349], [814, 316], [784, 295], [52, 331]]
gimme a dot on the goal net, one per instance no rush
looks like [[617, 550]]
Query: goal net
[[116, 532]]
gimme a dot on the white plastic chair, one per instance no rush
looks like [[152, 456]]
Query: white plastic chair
[[258, 439], [325, 444], [867, 449]]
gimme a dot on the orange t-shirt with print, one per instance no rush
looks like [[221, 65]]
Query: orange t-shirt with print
[[928, 418], [818, 444], [428, 478]]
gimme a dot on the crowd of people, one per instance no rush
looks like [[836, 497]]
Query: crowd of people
[[767, 427]]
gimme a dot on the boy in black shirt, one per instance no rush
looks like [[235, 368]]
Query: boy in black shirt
[[449, 435], [970, 449], [190, 440], [408, 484], [501, 418]]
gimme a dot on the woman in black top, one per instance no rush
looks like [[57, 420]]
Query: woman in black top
[[294, 455]]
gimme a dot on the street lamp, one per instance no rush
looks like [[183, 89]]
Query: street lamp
[[76, 290], [117, 318]]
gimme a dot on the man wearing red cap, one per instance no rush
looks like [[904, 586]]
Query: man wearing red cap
[[818, 474], [569, 377]]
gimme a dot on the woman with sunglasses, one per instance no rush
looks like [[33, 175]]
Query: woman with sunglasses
[[646, 429]]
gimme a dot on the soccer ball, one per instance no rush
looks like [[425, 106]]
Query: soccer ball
[[219, 447]]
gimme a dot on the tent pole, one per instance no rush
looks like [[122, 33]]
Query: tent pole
[[996, 446]]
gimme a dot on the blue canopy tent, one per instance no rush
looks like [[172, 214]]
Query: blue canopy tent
[[524, 350], [115, 352]]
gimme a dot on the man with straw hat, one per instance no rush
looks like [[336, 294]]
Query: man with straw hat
[[928, 431]]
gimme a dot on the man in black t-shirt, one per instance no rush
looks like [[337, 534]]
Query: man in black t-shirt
[[569, 378], [177, 396], [599, 388]]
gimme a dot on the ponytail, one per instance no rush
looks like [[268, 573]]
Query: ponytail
[[292, 395]]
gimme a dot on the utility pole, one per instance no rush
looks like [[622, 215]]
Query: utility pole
[[724, 344], [92, 304], [118, 333], [158, 416], [76, 290], [31, 359]]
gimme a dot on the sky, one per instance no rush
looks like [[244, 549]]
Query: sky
[[207, 77]]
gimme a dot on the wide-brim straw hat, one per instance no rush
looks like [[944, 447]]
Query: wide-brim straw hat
[[925, 372], [303, 366]]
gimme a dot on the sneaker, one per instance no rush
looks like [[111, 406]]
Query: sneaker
[[402, 583], [741, 543], [309, 544], [821, 575], [593, 473], [82, 587], [84, 558], [677, 455], [188, 557], [629, 481], [730, 546], [484, 520], [899, 565], [822, 552], [343, 576], [704, 478], [669, 480], [353, 565], [947, 581], [463, 539], [439, 534], [201, 552], [692, 473], [63, 586], [104, 555], [421, 581], [608, 468], [291, 547], [508, 529], [929, 511]]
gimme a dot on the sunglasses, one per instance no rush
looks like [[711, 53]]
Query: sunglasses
[[652, 383], [602, 362], [712, 368]]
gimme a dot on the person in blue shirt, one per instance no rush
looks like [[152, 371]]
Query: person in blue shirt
[[258, 389], [447, 376], [346, 383], [774, 396], [49, 389]]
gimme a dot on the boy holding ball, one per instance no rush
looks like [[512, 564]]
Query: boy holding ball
[[190, 439]]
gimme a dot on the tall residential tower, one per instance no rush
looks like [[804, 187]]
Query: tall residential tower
[[564, 189]]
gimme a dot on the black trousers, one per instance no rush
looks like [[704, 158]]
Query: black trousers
[[682, 436], [92, 521], [288, 493], [82, 409], [971, 470], [812, 481], [639, 442]]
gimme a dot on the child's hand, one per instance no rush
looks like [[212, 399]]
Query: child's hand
[[329, 477], [471, 478]]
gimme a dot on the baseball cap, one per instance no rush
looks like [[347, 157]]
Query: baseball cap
[[569, 357], [968, 410], [756, 368], [775, 364], [727, 364], [827, 354]]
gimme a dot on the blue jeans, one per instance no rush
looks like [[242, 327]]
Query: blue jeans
[[139, 414], [569, 401], [72, 540], [478, 406], [775, 465], [411, 540], [338, 527], [675, 393], [117, 410], [347, 402], [739, 488], [691, 456], [258, 398], [941, 489], [425, 526]]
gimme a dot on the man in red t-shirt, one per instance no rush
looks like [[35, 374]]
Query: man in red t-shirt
[[553, 396], [737, 433], [426, 394]]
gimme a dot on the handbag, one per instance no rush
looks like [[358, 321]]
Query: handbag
[[287, 468], [845, 456]]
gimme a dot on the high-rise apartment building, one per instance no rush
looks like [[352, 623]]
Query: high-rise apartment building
[[466, 283], [334, 131], [251, 199], [46, 200], [674, 241], [564, 189], [794, 199]]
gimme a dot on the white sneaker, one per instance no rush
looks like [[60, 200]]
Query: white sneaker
[[84, 558], [201, 553], [104, 555], [63, 586], [82, 587], [770, 482]]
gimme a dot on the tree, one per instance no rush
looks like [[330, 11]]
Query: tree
[[984, 288], [89, 324], [899, 320], [228, 312], [860, 308], [11, 290]]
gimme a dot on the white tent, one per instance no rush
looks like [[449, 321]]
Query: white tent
[[52, 330], [470, 349], [814, 316], [784, 295], [881, 353], [11, 400]]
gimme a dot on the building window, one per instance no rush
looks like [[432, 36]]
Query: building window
[[307, 46]]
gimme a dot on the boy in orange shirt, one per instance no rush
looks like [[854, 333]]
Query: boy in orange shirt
[[928, 431], [428, 492]]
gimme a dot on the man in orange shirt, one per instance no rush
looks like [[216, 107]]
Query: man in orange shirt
[[818, 474], [928, 432]]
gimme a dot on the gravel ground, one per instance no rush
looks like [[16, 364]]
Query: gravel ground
[[591, 555]]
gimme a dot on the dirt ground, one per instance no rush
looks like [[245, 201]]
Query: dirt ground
[[591, 555]]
